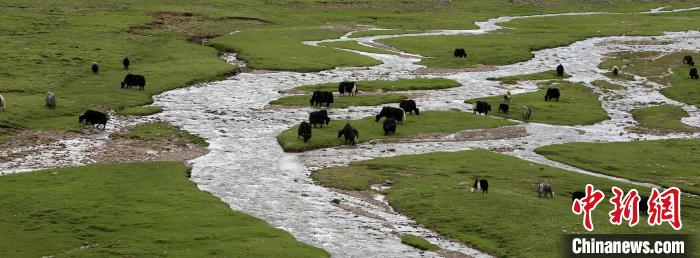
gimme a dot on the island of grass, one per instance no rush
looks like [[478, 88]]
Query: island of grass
[[620, 76], [162, 131], [343, 101], [428, 122], [546, 75], [129, 210], [140, 111], [661, 119], [578, 105], [662, 162], [382, 85], [353, 45], [418, 242], [607, 85], [683, 88], [427, 188]]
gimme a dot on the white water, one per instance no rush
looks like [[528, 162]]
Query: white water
[[247, 169]]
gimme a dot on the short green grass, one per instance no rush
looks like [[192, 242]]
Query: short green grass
[[397, 85], [161, 131], [140, 111], [343, 101], [509, 221], [353, 45], [578, 105], [607, 85], [662, 119], [620, 76], [418, 242], [129, 210], [546, 75], [683, 88], [664, 162], [428, 122], [369, 33]]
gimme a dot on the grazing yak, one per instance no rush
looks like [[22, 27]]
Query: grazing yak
[[693, 73], [392, 112], [95, 68], [482, 107], [134, 80], [615, 70], [552, 93], [643, 205], [560, 70], [389, 126], [2, 103], [319, 118], [94, 118], [503, 108], [349, 87], [409, 106], [50, 100], [688, 60], [578, 195], [480, 185], [544, 189], [304, 131], [351, 134], [125, 62], [460, 52], [527, 112], [507, 97], [320, 97]]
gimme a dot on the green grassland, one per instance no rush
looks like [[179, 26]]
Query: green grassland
[[162, 131], [546, 75], [353, 45], [662, 119], [129, 210], [428, 122], [426, 189], [418, 242], [527, 35], [397, 85], [578, 105], [664, 162], [343, 101]]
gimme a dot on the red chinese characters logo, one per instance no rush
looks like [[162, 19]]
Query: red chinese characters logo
[[625, 207], [665, 207], [587, 204]]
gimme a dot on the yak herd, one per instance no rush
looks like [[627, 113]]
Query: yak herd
[[90, 116]]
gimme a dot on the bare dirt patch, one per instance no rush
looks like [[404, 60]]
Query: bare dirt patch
[[130, 150]]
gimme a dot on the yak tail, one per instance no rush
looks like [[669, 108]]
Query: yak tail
[[404, 116]]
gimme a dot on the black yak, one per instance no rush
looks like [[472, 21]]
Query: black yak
[[125, 62], [304, 131], [389, 126], [482, 107], [349, 87], [527, 112], [560, 70], [643, 205], [693, 73], [552, 93], [50, 100], [392, 112], [615, 70], [688, 60], [351, 134], [2, 103], [320, 97], [319, 118], [503, 108], [134, 80], [480, 185], [95, 68], [409, 106], [578, 195], [544, 189], [460, 52], [94, 118]]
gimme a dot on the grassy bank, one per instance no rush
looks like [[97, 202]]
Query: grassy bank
[[428, 122], [662, 119], [418, 242], [665, 162], [508, 221], [342, 102], [129, 210], [605, 85], [397, 85], [162, 131], [578, 105]]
